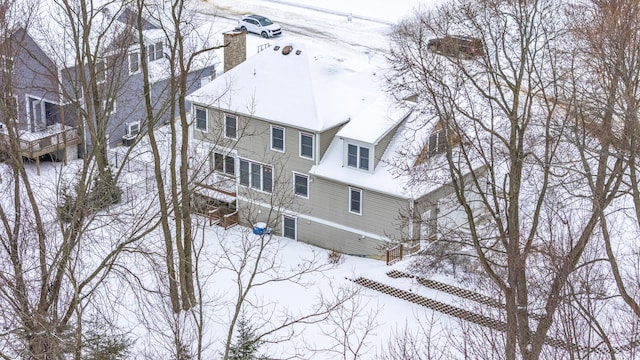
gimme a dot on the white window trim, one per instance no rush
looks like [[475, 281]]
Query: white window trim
[[42, 108], [283, 139], [440, 137], [351, 190], [224, 154], [206, 118], [137, 54], [295, 228], [313, 145], [358, 146], [131, 124], [273, 175], [225, 126], [308, 185], [153, 55]]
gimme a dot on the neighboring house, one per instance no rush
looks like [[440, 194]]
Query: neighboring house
[[31, 101], [40, 72], [289, 123]]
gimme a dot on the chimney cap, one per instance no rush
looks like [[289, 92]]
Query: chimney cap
[[234, 32]]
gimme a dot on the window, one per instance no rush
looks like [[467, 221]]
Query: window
[[224, 163], [42, 113], [257, 176], [101, 71], [437, 142], [301, 185], [230, 126], [201, 119], [358, 157], [154, 51], [355, 201], [133, 128], [306, 145], [277, 138], [134, 63], [289, 227]]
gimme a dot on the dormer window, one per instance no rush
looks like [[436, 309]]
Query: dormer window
[[437, 142], [358, 157]]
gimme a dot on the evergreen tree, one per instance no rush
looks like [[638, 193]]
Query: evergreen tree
[[247, 345]]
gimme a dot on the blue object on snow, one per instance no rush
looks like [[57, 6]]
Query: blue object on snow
[[261, 228]]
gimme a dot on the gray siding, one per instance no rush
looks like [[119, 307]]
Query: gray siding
[[326, 138], [381, 147], [34, 74], [313, 232], [323, 219], [329, 200], [130, 102]]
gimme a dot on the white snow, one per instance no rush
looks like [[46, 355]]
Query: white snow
[[368, 118]]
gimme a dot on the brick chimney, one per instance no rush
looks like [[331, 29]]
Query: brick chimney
[[235, 51]]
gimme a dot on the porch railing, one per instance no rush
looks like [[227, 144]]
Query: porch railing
[[396, 253], [218, 217], [45, 144]]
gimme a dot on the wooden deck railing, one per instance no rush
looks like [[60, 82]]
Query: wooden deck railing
[[218, 217], [46, 144], [396, 253]]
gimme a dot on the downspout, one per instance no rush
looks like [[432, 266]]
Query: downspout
[[412, 202], [317, 149]]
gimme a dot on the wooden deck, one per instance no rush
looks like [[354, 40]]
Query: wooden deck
[[33, 146]]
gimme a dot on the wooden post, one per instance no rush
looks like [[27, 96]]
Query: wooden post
[[38, 165]]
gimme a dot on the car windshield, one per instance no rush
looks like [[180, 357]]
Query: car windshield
[[265, 22]]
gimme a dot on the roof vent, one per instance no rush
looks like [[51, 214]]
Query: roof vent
[[276, 48], [287, 49], [298, 52]]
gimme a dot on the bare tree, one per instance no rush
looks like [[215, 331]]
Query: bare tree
[[507, 112], [53, 227], [608, 33]]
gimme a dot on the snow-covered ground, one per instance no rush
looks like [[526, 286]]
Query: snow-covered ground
[[347, 28]]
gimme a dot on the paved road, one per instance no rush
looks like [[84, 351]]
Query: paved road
[[309, 23]]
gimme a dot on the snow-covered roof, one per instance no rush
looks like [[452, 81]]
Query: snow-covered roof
[[53, 31], [309, 90], [315, 92], [387, 177]]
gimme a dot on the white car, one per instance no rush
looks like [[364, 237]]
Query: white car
[[259, 25]]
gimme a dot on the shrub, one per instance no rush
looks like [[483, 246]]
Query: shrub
[[335, 257], [105, 191]]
